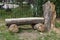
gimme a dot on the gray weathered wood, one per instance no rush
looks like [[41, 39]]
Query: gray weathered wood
[[21, 21], [47, 15]]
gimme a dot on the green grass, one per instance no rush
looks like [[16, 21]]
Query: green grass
[[6, 35], [57, 24], [16, 13], [50, 36]]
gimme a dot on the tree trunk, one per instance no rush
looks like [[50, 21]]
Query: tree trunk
[[47, 15]]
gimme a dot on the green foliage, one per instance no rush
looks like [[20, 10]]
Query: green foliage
[[40, 10], [56, 2], [17, 12], [26, 11]]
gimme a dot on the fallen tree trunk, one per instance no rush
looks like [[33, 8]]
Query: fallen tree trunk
[[22, 21]]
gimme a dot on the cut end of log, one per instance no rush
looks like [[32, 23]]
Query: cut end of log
[[13, 28], [40, 27]]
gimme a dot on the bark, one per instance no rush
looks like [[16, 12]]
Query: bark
[[47, 15], [22, 21]]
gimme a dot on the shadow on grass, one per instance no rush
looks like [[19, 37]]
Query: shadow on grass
[[25, 29]]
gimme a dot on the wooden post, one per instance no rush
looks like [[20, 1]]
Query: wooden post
[[47, 15]]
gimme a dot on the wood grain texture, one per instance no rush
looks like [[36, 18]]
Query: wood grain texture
[[22, 21]]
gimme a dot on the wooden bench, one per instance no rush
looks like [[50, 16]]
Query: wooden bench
[[24, 21]]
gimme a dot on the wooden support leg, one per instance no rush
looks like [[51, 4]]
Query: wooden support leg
[[13, 28]]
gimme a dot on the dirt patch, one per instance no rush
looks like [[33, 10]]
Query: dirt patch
[[58, 20], [57, 30], [29, 35]]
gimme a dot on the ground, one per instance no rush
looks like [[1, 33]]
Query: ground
[[27, 33], [58, 20]]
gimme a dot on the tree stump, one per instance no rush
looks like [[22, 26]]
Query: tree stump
[[53, 17], [13, 28], [49, 15], [40, 27]]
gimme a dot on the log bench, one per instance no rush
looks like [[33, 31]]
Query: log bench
[[48, 18], [24, 21], [13, 23]]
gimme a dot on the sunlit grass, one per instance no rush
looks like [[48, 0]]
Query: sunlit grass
[[6, 35]]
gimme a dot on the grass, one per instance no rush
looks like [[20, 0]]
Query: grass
[[16, 13], [6, 35], [57, 24], [50, 36]]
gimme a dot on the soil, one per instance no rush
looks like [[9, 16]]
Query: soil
[[57, 30], [29, 35], [58, 20]]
